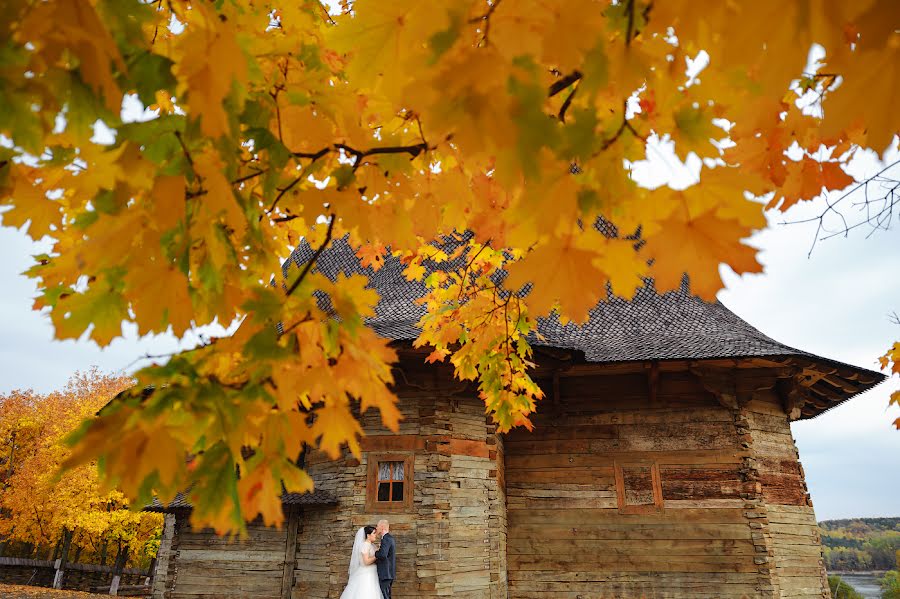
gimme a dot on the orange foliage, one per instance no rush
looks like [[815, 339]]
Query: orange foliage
[[38, 499], [393, 123]]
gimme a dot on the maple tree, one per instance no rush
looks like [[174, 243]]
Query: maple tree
[[238, 130], [39, 501]]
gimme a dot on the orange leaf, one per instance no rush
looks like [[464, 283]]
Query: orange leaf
[[697, 246], [806, 179]]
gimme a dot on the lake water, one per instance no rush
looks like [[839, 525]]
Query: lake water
[[866, 584]]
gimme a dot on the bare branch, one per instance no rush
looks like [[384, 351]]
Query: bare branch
[[309, 264], [880, 199], [564, 83]]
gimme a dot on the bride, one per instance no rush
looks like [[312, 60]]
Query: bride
[[363, 582]]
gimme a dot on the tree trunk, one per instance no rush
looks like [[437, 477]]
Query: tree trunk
[[121, 558], [61, 561], [150, 572], [103, 546], [54, 554]]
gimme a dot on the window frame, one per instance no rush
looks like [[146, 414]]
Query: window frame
[[655, 483], [372, 503]]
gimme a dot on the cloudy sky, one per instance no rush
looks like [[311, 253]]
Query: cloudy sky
[[835, 302]]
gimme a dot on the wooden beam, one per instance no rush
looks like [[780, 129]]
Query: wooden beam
[[823, 388], [290, 553], [653, 381], [792, 399], [840, 382]]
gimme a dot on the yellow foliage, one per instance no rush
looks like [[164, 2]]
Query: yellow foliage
[[40, 499], [507, 126]]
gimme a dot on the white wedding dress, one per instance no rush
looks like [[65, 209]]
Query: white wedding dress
[[363, 581]]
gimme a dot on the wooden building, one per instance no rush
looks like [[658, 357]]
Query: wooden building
[[661, 465]]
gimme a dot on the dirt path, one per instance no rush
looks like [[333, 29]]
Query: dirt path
[[18, 591]]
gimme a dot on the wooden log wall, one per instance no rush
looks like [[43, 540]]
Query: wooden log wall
[[164, 560], [796, 562], [199, 564], [633, 484], [640, 486], [451, 540]]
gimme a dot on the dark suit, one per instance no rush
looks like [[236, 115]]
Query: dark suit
[[386, 562]]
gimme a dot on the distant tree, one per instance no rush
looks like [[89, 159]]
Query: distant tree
[[883, 550]]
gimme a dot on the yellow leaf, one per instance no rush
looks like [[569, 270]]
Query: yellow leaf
[[30, 205], [561, 270], [335, 425], [169, 201], [304, 130], [207, 83], [260, 493], [698, 245], [570, 29], [220, 202], [873, 75], [371, 255], [160, 297]]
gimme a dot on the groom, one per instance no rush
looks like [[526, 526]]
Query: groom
[[385, 558]]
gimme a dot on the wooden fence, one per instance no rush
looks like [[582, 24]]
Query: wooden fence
[[68, 575]]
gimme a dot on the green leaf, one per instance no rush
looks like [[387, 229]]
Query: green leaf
[[215, 491], [151, 73], [344, 175], [19, 121], [264, 346], [536, 129], [265, 306], [102, 306], [265, 140], [588, 201], [579, 136], [442, 41], [157, 140]]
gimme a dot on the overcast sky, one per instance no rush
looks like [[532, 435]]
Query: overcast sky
[[835, 303]]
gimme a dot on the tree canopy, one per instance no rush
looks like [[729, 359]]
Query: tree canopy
[[175, 151]]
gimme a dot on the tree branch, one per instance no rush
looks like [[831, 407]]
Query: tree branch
[[486, 17], [252, 175], [630, 31], [309, 264], [562, 110], [413, 150], [877, 211], [563, 83]]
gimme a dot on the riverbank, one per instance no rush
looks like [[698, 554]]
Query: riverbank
[[866, 584]]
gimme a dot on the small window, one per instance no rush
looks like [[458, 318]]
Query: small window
[[389, 483], [638, 488]]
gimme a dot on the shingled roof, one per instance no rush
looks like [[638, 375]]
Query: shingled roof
[[317, 497], [652, 326]]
